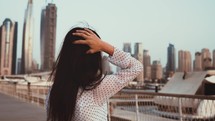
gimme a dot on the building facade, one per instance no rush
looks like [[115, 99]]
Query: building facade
[[206, 59], [184, 61], [157, 71], [197, 65], [170, 67], [27, 43], [48, 36], [147, 65], [8, 47], [138, 54], [214, 58], [127, 47]]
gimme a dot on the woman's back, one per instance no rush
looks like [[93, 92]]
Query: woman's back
[[81, 94]]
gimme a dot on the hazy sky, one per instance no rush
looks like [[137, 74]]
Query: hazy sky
[[188, 24]]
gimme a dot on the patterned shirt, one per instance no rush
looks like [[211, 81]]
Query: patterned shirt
[[92, 105]]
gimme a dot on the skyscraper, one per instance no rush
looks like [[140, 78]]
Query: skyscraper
[[27, 46], [147, 65], [8, 47], [184, 61], [48, 36], [197, 66], [157, 70], [214, 58], [127, 47], [170, 67], [206, 58], [138, 54]]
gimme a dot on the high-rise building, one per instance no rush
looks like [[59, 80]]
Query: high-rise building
[[147, 65], [157, 70], [127, 47], [206, 58], [184, 61], [8, 47], [214, 58], [19, 65], [170, 67], [27, 42], [48, 36], [197, 65], [138, 54], [106, 68]]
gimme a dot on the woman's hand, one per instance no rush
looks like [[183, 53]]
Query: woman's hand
[[93, 41]]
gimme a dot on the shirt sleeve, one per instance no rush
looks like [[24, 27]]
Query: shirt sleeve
[[111, 84]]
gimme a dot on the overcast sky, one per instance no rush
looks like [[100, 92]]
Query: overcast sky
[[188, 24]]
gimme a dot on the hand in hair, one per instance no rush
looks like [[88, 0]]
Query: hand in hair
[[93, 41]]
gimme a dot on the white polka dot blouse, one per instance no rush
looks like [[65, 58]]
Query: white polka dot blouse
[[92, 105]]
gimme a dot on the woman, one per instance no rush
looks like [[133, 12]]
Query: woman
[[80, 91]]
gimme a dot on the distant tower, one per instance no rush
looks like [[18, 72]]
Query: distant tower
[[184, 61], [170, 67], [138, 54], [19, 64], [157, 70], [127, 47], [197, 66], [214, 58], [27, 42], [48, 36], [206, 58], [147, 65], [8, 47], [106, 68]]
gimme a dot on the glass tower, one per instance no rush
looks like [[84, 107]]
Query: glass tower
[[27, 39]]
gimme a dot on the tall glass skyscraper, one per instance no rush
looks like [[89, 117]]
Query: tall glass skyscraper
[[8, 47], [214, 58], [127, 47], [170, 67], [48, 36], [147, 65], [27, 46], [138, 54]]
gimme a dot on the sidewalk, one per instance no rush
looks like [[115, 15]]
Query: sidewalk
[[12, 109]]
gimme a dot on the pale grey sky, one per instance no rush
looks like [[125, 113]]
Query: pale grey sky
[[188, 24]]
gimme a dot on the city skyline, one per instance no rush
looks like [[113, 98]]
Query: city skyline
[[153, 23]]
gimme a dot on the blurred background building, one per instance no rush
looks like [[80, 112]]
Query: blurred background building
[[197, 63], [8, 47], [157, 71], [48, 36], [206, 59], [214, 58], [127, 47], [147, 65], [170, 67], [27, 42], [184, 61], [138, 54]]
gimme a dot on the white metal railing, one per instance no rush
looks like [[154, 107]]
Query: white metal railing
[[134, 105]]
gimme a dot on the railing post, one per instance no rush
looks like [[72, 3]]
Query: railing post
[[180, 109], [109, 110], [137, 108]]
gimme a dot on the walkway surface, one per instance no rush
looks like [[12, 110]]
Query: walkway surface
[[12, 109]]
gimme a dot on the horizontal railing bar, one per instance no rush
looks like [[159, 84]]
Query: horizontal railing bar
[[212, 97]]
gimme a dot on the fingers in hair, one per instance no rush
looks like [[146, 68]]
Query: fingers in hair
[[83, 42], [80, 34], [88, 30]]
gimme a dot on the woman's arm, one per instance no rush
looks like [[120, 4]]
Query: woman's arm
[[111, 84]]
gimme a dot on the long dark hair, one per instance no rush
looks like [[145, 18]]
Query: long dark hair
[[73, 69]]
